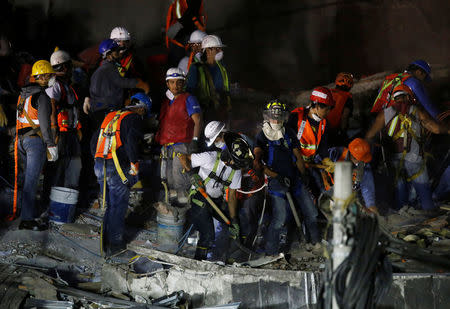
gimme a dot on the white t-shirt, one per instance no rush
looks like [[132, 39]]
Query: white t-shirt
[[205, 161], [55, 93]]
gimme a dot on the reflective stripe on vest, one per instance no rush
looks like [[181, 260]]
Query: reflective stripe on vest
[[213, 174], [125, 64], [205, 91], [309, 141], [22, 121], [176, 11]]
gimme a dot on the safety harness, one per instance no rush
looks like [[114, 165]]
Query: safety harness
[[404, 122], [108, 138], [218, 180]]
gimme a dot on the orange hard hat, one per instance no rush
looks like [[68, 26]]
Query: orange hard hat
[[322, 95], [360, 149], [344, 79], [402, 89]]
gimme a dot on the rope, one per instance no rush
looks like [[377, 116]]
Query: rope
[[254, 191]]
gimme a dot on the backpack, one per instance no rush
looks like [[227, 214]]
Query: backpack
[[383, 99]]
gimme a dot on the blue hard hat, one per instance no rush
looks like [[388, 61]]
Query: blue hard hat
[[141, 98], [424, 66], [107, 46]]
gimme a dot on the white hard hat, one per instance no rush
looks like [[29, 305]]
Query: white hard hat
[[59, 57], [212, 130], [183, 64], [120, 33], [196, 37], [212, 41], [175, 73]]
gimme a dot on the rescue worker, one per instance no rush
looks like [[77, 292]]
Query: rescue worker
[[403, 123], [128, 66], [183, 17], [34, 139], [179, 131], [65, 119], [358, 153], [251, 180], [277, 152], [339, 116], [195, 51], [312, 131], [107, 86], [219, 172], [414, 77], [209, 81], [115, 150]]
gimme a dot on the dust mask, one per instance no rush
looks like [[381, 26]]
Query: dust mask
[[169, 95], [220, 145], [219, 56], [276, 126], [315, 117]]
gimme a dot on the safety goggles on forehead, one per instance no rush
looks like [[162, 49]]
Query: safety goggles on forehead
[[175, 75]]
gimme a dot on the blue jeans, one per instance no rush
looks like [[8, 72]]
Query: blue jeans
[[117, 196], [281, 212], [421, 184], [33, 152]]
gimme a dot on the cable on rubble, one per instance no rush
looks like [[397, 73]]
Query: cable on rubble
[[365, 276]]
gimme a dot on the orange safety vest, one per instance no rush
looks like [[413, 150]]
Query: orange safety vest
[[334, 116], [63, 113], [309, 140], [107, 131], [32, 112], [176, 11], [125, 64]]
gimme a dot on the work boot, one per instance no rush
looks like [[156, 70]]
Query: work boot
[[33, 225], [200, 253]]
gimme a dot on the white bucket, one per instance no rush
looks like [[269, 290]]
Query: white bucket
[[62, 204]]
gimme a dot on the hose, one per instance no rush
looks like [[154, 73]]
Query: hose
[[365, 276]]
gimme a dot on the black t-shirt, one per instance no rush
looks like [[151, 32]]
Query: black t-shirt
[[280, 159]]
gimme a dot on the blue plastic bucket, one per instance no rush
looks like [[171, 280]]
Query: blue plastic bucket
[[170, 231], [62, 204]]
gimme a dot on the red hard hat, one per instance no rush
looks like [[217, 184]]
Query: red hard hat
[[360, 149], [344, 79], [322, 95]]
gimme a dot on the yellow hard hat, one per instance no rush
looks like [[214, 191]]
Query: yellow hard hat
[[42, 67]]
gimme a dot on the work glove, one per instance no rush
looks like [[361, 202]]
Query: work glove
[[53, 152], [196, 180], [284, 181], [329, 165], [133, 174], [148, 138], [234, 229], [193, 146], [174, 29], [3, 119]]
